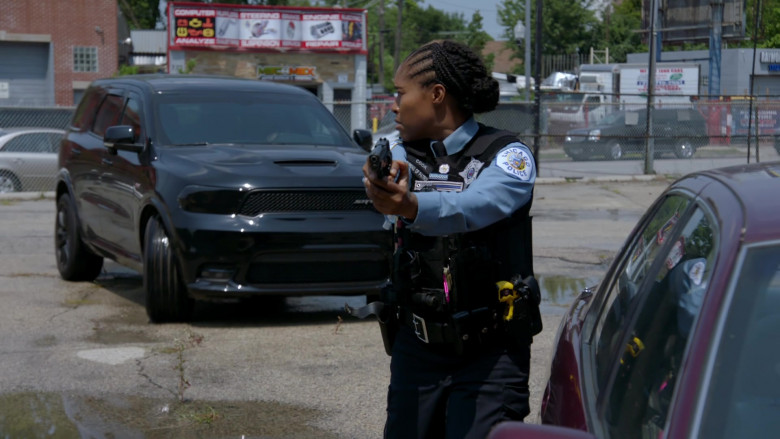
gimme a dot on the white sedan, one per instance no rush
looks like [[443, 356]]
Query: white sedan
[[28, 158]]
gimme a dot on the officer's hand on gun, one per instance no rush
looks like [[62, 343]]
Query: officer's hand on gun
[[387, 182]]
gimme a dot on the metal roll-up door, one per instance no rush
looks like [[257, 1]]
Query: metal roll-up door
[[24, 74], [764, 86]]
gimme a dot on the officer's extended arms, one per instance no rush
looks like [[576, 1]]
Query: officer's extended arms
[[381, 158]]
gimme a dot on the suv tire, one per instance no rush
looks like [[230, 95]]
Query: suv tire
[[614, 150], [166, 294], [684, 149], [74, 261]]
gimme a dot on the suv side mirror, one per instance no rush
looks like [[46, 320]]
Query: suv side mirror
[[363, 138], [121, 137]]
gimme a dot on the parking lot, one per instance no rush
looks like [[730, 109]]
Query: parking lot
[[82, 357]]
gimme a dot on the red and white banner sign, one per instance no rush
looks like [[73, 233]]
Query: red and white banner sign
[[263, 27]]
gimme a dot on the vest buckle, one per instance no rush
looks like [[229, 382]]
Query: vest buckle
[[420, 329]]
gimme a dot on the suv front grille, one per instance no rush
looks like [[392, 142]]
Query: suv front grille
[[304, 201]]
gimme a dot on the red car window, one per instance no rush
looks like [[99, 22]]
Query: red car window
[[670, 301], [742, 400]]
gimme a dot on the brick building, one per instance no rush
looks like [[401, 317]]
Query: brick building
[[50, 50]]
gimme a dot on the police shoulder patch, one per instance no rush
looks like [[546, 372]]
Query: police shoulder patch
[[516, 161]]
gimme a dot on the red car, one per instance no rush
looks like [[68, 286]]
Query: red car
[[679, 340]]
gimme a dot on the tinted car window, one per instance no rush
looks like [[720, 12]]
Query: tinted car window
[[85, 112], [246, 118], [635, 267], [747, 350], [670, 302], [108, 114], [33, 142], [133, 116]]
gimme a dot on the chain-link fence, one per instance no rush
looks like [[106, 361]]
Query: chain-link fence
[[585, 127], [29, 143], [575, 128]]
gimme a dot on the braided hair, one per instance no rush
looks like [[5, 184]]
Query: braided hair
[[459, 70]]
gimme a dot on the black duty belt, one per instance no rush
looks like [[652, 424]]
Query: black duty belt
[[429, 331], [467, 328]]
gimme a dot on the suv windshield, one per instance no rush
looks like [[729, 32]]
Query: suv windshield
[[614, 118], [240, 117]]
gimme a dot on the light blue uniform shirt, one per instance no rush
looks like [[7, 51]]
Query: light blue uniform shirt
[[503, 186]]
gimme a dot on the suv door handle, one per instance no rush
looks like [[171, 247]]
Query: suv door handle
[[107, 162]]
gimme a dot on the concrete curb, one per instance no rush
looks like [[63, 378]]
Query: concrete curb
[[601, 179], [26, 196]]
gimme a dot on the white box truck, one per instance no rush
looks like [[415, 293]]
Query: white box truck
[[675, 83], [604, 88]]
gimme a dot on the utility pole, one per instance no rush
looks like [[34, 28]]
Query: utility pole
[[398, 26], [381, 36], [527, 55], [716, 35], [752, 80], [538, 83], [649, 140]]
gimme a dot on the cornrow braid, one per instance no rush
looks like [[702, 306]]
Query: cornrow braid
[[459, 70]]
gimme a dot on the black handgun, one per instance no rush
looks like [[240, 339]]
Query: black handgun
[[381, 158]]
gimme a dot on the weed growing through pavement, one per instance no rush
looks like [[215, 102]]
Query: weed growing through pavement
[[338, 325], [207, 417], [181, 345]]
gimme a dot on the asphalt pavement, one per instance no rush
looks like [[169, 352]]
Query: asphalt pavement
[[79, 329]]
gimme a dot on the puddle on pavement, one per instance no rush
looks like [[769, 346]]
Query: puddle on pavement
[[55, 415], [562, 290]]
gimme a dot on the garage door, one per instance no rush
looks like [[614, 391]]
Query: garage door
[[25, 74], [766, 86]]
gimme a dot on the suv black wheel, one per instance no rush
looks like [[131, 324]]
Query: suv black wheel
[[614, 150], [74, 261], [166, 294], [9, 183], [684, 149]]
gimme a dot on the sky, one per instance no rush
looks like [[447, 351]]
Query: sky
[[487, 8]]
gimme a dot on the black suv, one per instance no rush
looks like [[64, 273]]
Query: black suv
[[216, 188], [679, 131]]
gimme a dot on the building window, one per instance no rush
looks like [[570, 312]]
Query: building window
[[85, 59]]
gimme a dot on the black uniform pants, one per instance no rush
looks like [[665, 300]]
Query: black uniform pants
[[440, 395]]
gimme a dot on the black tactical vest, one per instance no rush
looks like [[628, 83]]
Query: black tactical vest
[[475, 260]]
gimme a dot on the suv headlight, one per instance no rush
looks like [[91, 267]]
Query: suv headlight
[[204, 199], [594, 135]]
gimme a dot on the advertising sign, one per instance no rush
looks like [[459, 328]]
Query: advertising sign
[[668, 80], [673, 83], [768, 120], [226, 27]]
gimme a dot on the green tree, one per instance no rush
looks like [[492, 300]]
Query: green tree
[[567, 25], [768, 34], [140, 14], [419, 26], [618, 30], [476, 38]]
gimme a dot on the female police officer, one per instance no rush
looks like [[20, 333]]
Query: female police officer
[[458, 194]]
